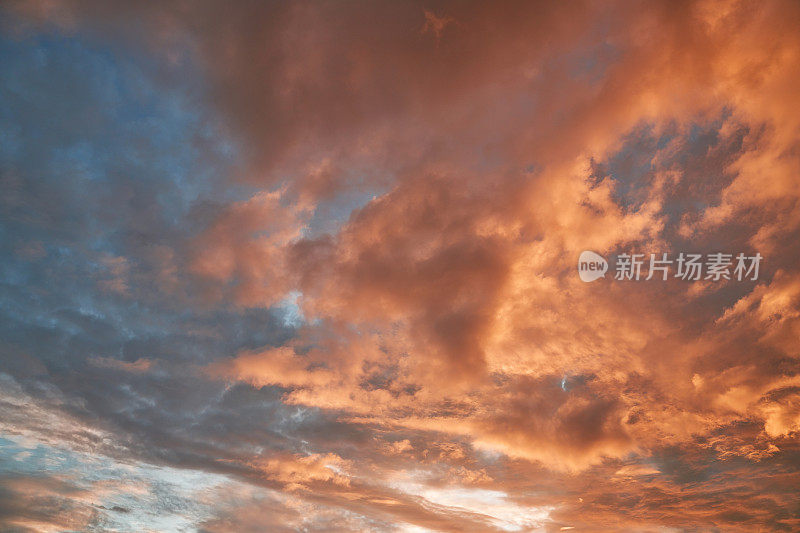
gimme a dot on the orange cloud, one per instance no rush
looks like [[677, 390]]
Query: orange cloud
[[444, 316]]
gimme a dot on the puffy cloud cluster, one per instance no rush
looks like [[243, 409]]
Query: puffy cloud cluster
[[372, 309]]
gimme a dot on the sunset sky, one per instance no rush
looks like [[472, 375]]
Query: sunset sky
[[312, 266]]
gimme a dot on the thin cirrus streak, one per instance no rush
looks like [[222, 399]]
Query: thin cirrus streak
[[311, 266]]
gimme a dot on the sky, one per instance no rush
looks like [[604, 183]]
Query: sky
[[312, 266]]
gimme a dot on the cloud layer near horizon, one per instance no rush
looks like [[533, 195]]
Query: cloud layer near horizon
[[323, 255]]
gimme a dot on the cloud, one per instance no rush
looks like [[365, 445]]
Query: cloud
[[419, 180], [44, 504]]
